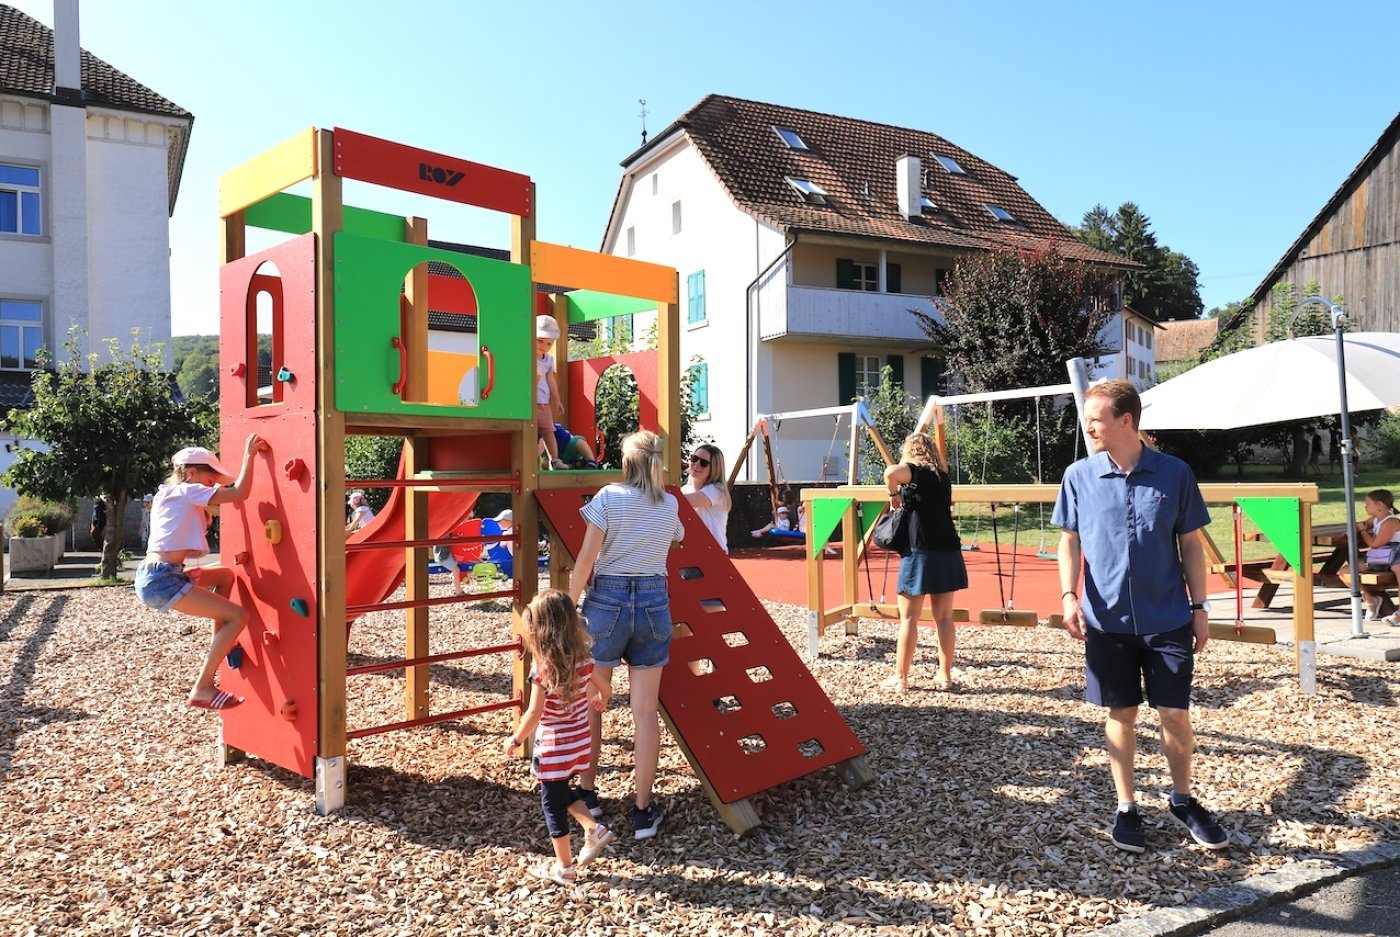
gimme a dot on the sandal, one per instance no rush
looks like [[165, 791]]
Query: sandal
[[552, 871], [594, 844], [896, 683], [220, 700]]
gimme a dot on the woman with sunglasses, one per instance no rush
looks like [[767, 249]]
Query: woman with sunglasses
[[707, 492]]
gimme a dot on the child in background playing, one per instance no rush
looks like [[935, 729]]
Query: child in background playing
[[565, 686], [547, 389], [178, 522]]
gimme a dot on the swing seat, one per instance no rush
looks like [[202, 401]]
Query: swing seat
[[1008, 616], [1249, 634]]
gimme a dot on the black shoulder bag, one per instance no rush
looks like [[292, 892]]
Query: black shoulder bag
[[892, 529]]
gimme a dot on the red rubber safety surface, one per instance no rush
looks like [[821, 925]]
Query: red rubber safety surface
[[755, 717]]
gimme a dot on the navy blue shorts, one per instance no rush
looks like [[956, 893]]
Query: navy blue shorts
[[629, 618], [1116, 666]]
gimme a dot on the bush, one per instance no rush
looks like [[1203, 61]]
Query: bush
[[51, 517], [1389, 432], [372, 457], [28, 526]]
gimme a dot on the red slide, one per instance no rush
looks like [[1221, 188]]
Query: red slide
[[373, 575]]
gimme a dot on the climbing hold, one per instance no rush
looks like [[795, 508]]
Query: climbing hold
[[289, 710], [284, 375], [238, 370], [273, 531], [235, 656], [300, 607], [294, 468], [242, 557], [269, 638]]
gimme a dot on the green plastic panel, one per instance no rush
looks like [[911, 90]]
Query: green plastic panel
[[870, 512], [369, 276], [292, 214], [589, 305], [826, 515], [1278, 519]]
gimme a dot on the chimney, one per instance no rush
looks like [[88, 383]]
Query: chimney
[[67, 73], [908, 178]]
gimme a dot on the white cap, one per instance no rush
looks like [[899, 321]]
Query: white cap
[[546, 327], [198, 455], [504, 517]]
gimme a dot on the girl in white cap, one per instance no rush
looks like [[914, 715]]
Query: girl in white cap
[[547, 403], [360, 513], [178, 521]]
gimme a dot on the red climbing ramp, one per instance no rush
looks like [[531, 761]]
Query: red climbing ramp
[[742, 704]]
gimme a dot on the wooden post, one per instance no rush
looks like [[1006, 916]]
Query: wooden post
[[525, 511], [668, 382], [1304, 639], [415, 449], [331, 633], [850, 553], [815, 600], [853, 463], [559, 306], [743, 454], [772, 475]]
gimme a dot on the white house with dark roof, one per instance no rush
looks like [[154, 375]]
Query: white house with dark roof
[[803, 241], [90, 163]]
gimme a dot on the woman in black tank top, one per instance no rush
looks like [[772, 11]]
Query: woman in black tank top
[[934, 566]]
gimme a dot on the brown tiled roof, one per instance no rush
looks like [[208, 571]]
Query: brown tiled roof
[[26, 67], [854, 162], [1184, 339]]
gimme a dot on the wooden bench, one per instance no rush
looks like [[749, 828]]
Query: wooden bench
[[1374, 583]]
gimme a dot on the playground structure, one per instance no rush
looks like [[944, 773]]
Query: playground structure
[[345, 300], [1282, 511]]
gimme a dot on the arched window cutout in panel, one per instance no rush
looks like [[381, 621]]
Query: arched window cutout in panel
[[451, 363], [264, 347]]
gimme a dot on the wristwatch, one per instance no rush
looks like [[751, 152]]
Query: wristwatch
[[1201, 607]]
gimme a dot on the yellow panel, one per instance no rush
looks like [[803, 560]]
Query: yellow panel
[[284, 165], [585, 270]]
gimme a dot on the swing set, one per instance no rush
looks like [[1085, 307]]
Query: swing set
[[1285, 508]]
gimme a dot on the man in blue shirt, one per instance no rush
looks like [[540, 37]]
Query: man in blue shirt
[[1131, 520]]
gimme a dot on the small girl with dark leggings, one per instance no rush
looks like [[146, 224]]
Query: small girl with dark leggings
[[565, 686]]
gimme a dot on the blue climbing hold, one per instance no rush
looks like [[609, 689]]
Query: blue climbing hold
[[235, 657], [284, 375], [300, 607]]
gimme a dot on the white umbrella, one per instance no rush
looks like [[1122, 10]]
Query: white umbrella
[[1288, 380]]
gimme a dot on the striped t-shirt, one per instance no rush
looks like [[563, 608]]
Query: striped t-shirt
[[636, 532], [562, 742]]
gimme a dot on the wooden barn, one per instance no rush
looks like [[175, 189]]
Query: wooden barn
[[1352, 247]]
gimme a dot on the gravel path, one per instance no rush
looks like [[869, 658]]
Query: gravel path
[[988, 817]]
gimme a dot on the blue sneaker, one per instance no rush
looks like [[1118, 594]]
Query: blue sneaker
[[646, 823], [1127, 831], [1201, 824], [590, 800]]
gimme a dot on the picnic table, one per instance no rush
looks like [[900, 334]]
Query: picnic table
[[1331, 543]]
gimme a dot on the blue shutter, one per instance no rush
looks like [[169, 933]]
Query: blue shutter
[[700, 393], [695, 295]]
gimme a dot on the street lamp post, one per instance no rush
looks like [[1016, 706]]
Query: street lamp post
[[1338, 315]]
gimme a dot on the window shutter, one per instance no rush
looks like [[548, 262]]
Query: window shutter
[[892, 280], [695, 297], [896, 363], [845, 376], [940, 282], [700, 399], [930, 376], [846, 276]]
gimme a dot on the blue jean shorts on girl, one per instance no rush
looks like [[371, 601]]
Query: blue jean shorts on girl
[[161, 585], [629, 618]]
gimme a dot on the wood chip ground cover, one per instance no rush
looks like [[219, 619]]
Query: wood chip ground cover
[[988, 817]]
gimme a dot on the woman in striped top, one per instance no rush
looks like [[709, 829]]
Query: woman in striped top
[[565, 685], [631, 526]]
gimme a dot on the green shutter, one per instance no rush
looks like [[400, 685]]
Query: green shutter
[[845, 376], [940, 282], [892, 280], [846, 276], [930, 376], [896, 363]]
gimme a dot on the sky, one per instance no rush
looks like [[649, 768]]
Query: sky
[[1229, 123]]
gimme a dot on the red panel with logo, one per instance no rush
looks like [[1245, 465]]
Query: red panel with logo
[[383, 162], [736, 691]]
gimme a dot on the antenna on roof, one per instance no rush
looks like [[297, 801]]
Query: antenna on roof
[[643, 116]]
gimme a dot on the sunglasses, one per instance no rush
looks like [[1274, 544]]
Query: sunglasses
[[700, 460]]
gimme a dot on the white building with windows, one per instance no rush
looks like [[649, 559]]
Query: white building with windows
[[1130, 349], [805, 241], [90, 163]]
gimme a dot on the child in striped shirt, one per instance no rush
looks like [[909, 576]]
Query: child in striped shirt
[[565, 686]]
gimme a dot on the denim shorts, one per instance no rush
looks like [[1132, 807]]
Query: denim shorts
[[629, 618], [161, 585]]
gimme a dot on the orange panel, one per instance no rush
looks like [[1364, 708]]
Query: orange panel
[[585, 270]]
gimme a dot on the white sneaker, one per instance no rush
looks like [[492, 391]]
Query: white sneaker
[[593, 844]]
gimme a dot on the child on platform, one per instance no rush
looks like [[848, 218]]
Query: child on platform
[[179, 517], [564, 688], [547, 403]]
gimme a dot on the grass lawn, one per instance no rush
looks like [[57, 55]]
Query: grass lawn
[[975, 526]]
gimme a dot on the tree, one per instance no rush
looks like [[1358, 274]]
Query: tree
[[110, 428], [894, 413], [1012, 319], [1166, 286]]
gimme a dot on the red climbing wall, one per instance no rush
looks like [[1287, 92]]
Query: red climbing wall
[[277, 722], [755, 717]]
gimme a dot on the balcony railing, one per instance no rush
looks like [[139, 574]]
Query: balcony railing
[[813, 313]]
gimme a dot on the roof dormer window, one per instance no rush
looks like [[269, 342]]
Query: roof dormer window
[[791, 138], [999, 213], [927, 204], [950, 164], [811, 192]]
